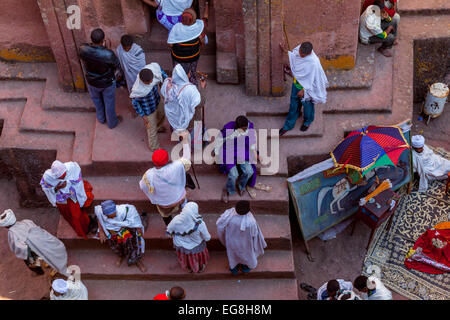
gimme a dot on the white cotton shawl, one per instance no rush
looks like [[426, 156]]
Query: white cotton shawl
[[186, 221], [73, 173], [165, 186], [242, 238], [180, 99], [26, 233], [76, 291], [124, 219], [181, 33], [370, 23], [381, 292], [141, 89], [247, 220], [429, 166], [309, 73], [174, 7], [132, 62]]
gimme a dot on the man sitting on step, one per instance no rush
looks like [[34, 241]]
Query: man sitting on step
[[376, 26], [237, 155], [122, 228], [427, 164], [147, 102], [165, 184], [239, 232]]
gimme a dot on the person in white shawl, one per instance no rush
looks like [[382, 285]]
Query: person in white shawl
[[165, 184], [147, 102], [121, 226], [65, 189], [33, 244], [372, 288], [239, 232], [132, 59], [190, 234], [376, 26], [169, 11], [427, 164], [308, 88], [180, 99], [70, 289]]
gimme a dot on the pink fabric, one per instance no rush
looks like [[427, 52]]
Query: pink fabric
[[194, 261]]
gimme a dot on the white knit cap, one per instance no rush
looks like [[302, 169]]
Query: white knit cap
[[7, 218], [417, 141], [60, 286], [58, 169], [371, 283]]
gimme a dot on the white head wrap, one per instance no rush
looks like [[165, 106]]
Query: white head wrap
[[371, 284], [182, 33], [417, 141], [60, 286], [185, 222], [58, 169], [7, 218]]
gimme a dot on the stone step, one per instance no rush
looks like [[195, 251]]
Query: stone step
[[276, 122], [80, 125], [11, 137], [360, 77], [233, 289], [376, 100], [53, 97], [424, 7], [206, 62], [125, 189], [275, 228], [162, 265]]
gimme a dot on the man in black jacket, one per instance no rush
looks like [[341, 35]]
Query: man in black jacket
[[100, 64]]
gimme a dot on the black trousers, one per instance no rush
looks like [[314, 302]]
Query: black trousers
[[388, 42]]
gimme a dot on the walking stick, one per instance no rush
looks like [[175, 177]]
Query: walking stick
[[195, 175]]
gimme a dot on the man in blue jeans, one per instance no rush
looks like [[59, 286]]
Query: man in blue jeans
[[100, 64], [308, 88]]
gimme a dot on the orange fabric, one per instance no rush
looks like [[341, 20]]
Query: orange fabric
[[90, 196], [443, 225]]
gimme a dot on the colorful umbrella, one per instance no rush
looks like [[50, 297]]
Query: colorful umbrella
[[370, 147]]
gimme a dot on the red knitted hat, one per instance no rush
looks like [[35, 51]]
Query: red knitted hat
[[160, 157]]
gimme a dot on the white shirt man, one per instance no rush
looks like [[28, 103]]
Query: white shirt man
[[428, 165]]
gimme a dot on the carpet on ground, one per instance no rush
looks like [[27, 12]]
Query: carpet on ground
[[416, 213]]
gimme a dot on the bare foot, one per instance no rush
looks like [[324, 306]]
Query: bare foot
[[119, 261], [141, 266], [385, 52], [395, 42]]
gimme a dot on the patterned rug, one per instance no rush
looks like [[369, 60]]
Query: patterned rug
[[416, 213]]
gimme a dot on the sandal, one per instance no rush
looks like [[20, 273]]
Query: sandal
[[251, 192], [225, 196], [263, 187]]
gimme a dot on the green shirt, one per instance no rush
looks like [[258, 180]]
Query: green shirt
[[297, 85]]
